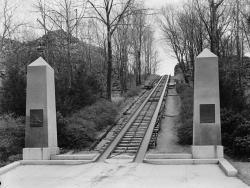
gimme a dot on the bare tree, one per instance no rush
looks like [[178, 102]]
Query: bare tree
[[122, 47], [173, 35], [108, 15], [148, 50], [60, 16], [215, 17], [8, 26], [138, 30]]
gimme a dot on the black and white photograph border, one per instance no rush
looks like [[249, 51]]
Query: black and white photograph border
[[124, 93]]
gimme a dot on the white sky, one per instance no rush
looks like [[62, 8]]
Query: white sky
[[166, 56], [25, 12]]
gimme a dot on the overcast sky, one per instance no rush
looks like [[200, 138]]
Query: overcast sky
[[166, 56], [167, 59]]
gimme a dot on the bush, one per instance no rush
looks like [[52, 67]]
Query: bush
[[84, 91], [81, 129], [242, 130], [133, 92], [185, 130], [242, 146], [12, 136], [229, 123], [13, 99], [231, 94], [241, 140], [235, 133]]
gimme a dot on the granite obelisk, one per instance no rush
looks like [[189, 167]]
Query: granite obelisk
[[40, 130], [206, 117]]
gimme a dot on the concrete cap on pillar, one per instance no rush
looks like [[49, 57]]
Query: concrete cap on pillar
[[206, 53], [40, 62]]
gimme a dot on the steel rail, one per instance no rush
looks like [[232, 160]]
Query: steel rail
[[147, 137], [119, 136]]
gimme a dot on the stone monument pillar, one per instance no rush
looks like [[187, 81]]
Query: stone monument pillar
[[40, 130], [206, 117]]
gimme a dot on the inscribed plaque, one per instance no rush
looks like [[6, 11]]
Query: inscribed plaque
[[207, 113], [36, 118]]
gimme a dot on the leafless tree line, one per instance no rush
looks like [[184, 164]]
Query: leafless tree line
[[221, 25], [119, 28]]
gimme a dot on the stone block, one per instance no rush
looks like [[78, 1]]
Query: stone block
[[39, 153], [227, 168], [207, 152], [41, 127], [206, 116]]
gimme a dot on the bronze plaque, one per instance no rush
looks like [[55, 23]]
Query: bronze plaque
[[207, 113], [36, 118]]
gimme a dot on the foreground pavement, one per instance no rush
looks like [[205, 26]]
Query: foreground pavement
[[119, 175]]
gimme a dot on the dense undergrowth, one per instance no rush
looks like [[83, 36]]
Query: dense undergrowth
[[185, 130], [82, 128], [77, 131], [235, 125], [12, 138]]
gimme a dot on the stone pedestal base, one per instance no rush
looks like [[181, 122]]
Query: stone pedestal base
[[39, 153], [207, 152]]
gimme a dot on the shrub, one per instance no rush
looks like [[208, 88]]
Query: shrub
[[241, 146], [241, 142], [180, 88], [133, 92], [11, 135], [83, 92], [185, 130], [81, 129], [229, 123], [231, 93], [84, 88], [13, 99], [230, 120], [235, 133], [242, 130]]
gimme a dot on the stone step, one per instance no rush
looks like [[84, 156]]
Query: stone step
[[180, 161], [90, 157], [227, 168], [55, 162], [169, 156], [122, 156]]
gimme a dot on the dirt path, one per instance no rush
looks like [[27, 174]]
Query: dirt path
[[167, 141]]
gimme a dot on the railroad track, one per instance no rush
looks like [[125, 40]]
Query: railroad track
[[121, 122], [134, 137]]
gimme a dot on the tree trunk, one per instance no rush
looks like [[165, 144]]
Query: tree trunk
[[139, 67], [109, 62]]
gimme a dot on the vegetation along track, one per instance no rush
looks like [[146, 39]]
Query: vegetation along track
[[133, 139]]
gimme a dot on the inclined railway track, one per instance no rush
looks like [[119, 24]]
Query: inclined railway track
[[134, 138]]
